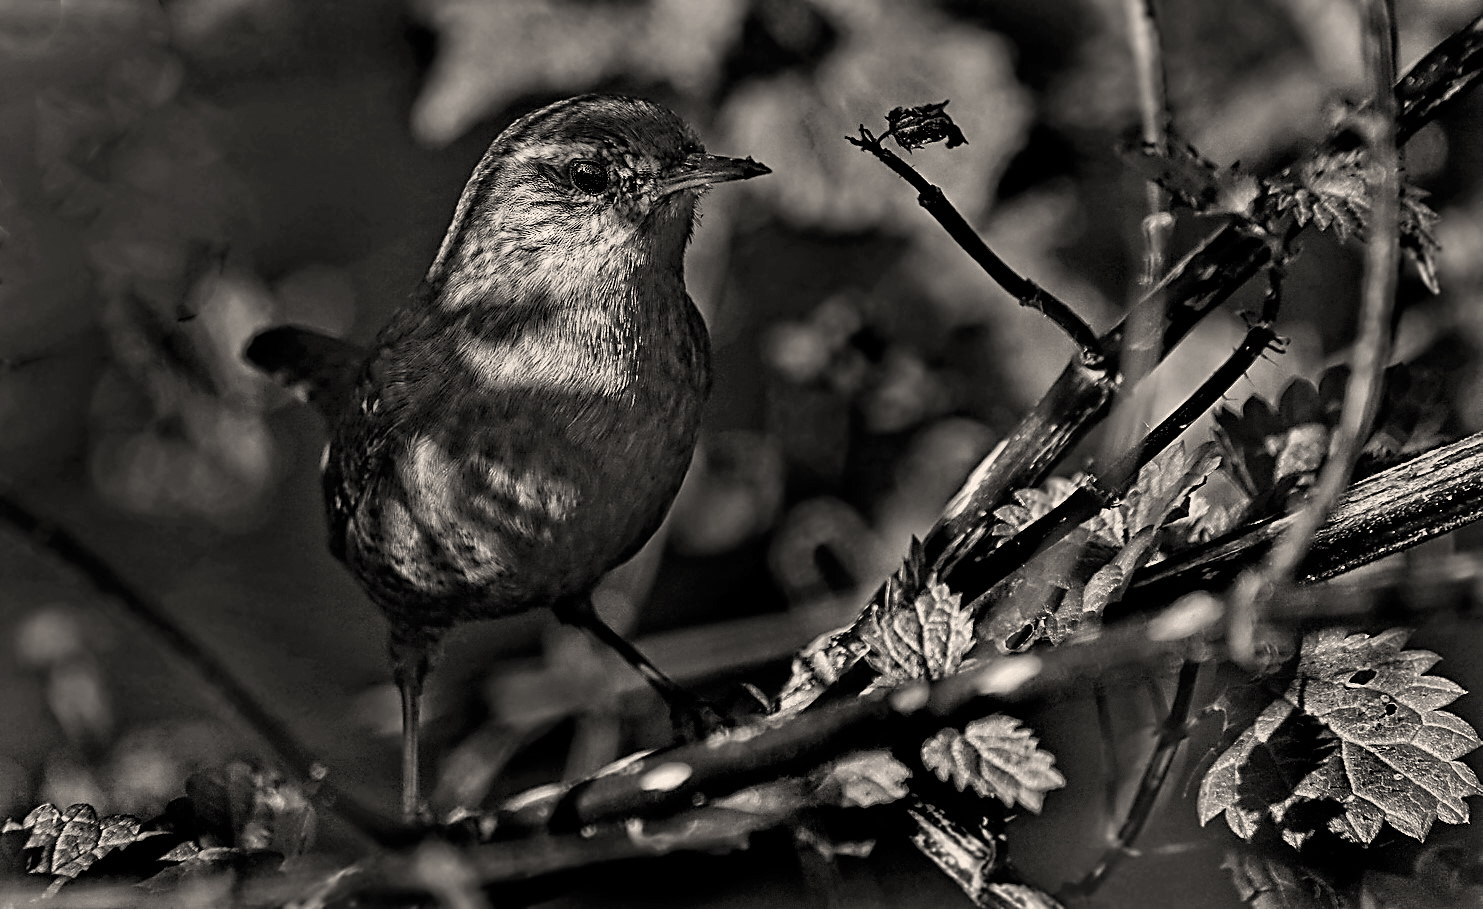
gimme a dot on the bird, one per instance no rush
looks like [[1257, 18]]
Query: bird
[[522, 424]]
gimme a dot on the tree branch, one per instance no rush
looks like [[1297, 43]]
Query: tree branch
[[1027, 292], [67, 548]]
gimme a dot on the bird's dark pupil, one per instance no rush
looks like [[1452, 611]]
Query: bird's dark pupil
[[589, 176]]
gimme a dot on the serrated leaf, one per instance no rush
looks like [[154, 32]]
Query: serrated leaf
[[1194, 181], [1030, 505], [863, 779], [1329, 191], [1418, 234], [1393, 755], [924, 638], [998, 758], [1163, 486], [1266, 881]]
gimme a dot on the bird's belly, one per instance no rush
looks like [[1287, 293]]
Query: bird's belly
[[520, 505]]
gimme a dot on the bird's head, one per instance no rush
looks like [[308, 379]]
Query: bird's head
[[596, 181]]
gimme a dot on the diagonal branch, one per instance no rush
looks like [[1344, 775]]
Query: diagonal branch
[[67, 548], [1027, 292]]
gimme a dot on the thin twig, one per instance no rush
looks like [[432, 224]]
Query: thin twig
[[1140, 353], [1201, 281], [974, 578], [65, 546], [1171, 735], [1194, 287], [1111, 766], [1371, 348], [1027, 292]]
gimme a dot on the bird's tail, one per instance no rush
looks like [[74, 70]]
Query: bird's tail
[[313, 366]]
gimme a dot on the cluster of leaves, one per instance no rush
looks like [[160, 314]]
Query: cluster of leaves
[[235, 819], [1353, 738], [1274, 453], [1331, 191], [1066, 590]]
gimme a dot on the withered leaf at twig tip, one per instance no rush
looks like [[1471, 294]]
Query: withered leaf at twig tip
[[915, 127]]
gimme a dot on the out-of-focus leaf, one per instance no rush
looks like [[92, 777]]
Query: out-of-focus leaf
[[998, 758], [1330, 191], [243, 807], [1274, 454], [863, 779], [1266, 881], [484, 63], [1356, 741], [1195, 181], [1333, 191]]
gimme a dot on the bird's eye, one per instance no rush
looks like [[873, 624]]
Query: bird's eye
[[587, 175]]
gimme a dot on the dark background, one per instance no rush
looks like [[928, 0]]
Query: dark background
[[176, 176]]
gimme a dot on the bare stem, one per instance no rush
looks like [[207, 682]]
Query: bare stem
[[1027, 292], [1371, 347], [1160, 762], [67, 548]]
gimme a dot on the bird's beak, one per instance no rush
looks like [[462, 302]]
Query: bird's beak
[[700, 170]]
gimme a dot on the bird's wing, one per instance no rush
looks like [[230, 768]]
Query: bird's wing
[[318, 368]]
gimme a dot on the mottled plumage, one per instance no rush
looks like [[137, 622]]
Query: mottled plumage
[[523, 424]]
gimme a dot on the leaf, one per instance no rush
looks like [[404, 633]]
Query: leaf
[[998, 758], [916, 127], [1066, 590], [1266, 881], [863, 779], [1330, 191], [1356, 741], [1333, 192], [67, 843], [1163, 487], [1418, 234], [1195, 181], [920, 630], [242, 806], [1030, 505]]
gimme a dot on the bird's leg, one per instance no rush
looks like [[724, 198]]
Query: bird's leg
[[692, 717], [411, 660]]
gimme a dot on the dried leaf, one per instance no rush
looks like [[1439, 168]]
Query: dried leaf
[[1355, 741], [998, 758], [915, 127]]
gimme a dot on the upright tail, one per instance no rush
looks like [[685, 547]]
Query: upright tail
[[315, 367]]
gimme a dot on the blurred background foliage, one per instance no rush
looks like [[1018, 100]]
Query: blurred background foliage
[[177, 175]]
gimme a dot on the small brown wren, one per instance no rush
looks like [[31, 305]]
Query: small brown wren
[[523, 423]]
